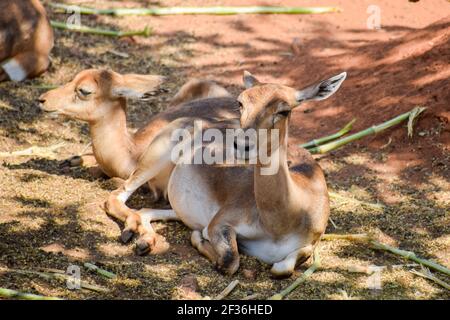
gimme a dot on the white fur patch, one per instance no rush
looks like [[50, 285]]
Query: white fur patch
[[146, 221], [287, 265], [205, 233], [190, 197], [266, 249], [14, 70], [123, 196]]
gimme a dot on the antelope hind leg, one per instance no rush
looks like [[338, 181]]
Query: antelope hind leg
[[197, 89]]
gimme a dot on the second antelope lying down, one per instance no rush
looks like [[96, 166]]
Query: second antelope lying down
[[277, 218], [99, 97]]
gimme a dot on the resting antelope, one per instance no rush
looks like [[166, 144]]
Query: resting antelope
[[26, 39], [277, 218], [99, 97]]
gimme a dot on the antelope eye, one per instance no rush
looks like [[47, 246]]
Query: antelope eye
[[284, 113], [83, 92]]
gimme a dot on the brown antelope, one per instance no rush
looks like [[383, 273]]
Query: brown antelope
[[26, 39], [99, 98], [278, 218]]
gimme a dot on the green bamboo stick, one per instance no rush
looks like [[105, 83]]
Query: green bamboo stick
[[13, 294], [319, 141], [428, 275], [299, 280], [44, 86], [410, 256], [374, 129], [111, 33], [100, 271], [61, 277], [219, 10]]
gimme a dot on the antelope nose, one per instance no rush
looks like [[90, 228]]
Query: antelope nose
[[41, 99]]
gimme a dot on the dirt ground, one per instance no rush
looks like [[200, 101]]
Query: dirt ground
[[50, 216]]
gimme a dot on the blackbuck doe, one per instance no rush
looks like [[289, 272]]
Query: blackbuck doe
[[278, 218], [99, 97], [26, 39]]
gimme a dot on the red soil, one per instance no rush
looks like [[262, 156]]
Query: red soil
[[390, 71]]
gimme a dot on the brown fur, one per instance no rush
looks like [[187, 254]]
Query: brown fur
[[117, 151], [289, 204], [106, 114], [25, 35], [196, 89]]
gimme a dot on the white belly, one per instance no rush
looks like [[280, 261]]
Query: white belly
[[253, 242], [196, 207], [190, 198]]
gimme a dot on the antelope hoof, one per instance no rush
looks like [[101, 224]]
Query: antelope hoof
[[126, 236], [3, 76], [277, 274], [144, 245], [228, 264], [74, 161], [228, 271]]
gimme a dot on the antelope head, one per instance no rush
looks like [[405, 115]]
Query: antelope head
[[94, 94]]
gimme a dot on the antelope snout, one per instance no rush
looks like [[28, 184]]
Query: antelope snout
[[245, 148], [41, 100]]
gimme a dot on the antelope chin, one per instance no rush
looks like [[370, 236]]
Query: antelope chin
[[51, 114], [244, 153]]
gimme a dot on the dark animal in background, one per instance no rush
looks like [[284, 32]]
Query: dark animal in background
[[26, 39]]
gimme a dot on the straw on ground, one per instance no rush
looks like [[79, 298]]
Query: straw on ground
[[217, 10], [43, 152], [111, 33]]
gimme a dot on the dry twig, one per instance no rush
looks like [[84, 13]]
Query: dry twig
[[227, 290], [43, 152]]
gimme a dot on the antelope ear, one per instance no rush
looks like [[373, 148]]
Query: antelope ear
[[321, 90], [249, 80], [136, 86]]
